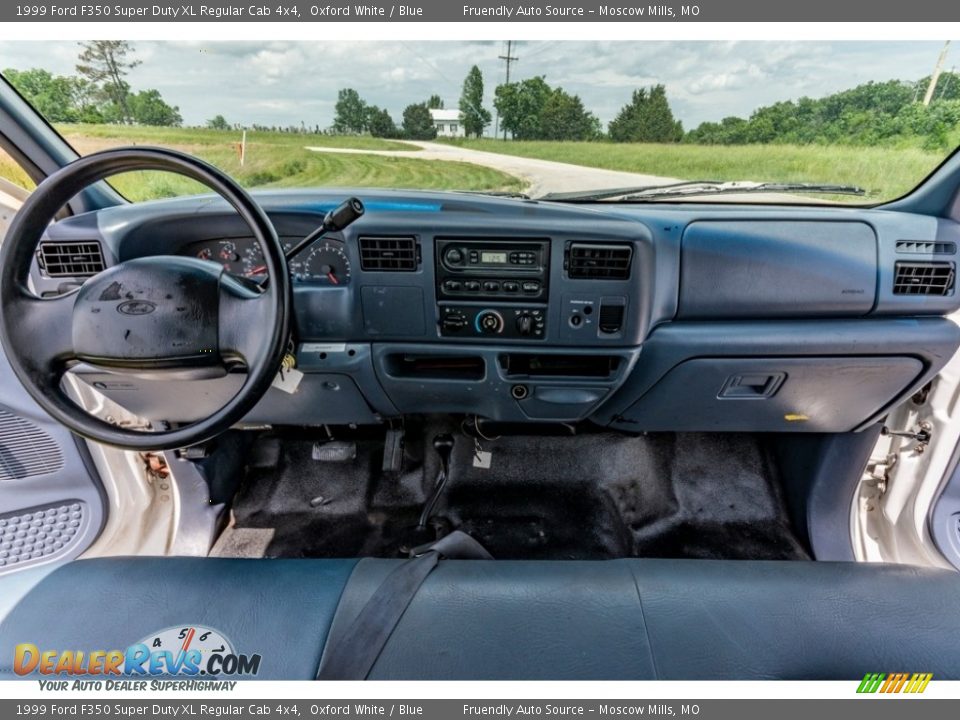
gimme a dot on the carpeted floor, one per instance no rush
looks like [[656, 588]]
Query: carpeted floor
[[595, 495]]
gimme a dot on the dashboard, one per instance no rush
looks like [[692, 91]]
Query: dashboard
[[640, 317]]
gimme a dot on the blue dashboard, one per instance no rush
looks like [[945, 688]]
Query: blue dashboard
[[642, 317]]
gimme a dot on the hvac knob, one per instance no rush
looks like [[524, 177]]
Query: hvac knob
[[525, 324], [489, 322]]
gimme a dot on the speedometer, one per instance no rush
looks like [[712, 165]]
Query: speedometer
[[253, 262], [326, 263]]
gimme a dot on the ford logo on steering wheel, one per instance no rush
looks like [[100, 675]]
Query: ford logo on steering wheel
[[136, 307]]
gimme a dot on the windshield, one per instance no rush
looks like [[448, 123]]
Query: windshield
[[837, 122]]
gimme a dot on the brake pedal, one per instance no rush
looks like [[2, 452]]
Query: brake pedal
[[334, 451]]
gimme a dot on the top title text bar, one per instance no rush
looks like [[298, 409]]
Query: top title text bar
[[454, 11]]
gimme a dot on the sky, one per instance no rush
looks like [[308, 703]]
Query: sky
[[289, 83]]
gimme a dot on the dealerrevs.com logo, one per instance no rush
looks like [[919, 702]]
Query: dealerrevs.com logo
[[192, 651]]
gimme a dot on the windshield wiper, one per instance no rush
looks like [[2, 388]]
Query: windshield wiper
[[700, 187]]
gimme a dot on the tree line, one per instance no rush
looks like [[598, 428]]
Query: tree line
[[870, 114], [529, 109], [98, 93]]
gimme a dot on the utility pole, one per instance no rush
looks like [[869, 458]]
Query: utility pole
[[933, 78], [508, 58]]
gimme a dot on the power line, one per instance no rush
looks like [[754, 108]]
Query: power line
[[946, 85], [438, 71], [545, 45]]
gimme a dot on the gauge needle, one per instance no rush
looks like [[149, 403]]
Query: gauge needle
[[257, 270], [188, 639], [333, 278]]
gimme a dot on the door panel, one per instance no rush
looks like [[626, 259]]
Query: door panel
[[51, 500]]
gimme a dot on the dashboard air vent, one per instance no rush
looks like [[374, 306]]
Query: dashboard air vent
[[923, 278], [598, 262], [389, 254], [926, 247], [74, 258]]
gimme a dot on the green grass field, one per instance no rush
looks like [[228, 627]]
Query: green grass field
[[9, 170], [274, 160], [279, 160], [884, 173]]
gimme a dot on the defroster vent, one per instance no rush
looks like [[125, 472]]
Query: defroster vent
[[389, 254], [598, 262], [923, 278], [73, 258], [926, 247]]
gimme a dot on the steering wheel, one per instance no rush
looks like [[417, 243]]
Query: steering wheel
[[159, 316]]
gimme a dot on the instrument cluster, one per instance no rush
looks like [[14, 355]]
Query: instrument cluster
[[326, 262]]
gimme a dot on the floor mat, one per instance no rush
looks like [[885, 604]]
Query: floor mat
[[237, 542], [590, 496]]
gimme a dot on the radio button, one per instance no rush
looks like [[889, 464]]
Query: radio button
[[491, 286], [452, 285], [531, 286], [510, 286], [471, 286]]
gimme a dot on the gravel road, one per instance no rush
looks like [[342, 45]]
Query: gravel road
[[541, 176]]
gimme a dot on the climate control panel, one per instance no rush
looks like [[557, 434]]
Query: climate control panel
[[514, 322]]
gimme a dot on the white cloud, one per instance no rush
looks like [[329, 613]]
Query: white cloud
[[280, 83]]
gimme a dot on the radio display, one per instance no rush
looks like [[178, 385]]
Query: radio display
[[493, 257]]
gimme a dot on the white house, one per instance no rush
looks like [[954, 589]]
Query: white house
[[447, 123]]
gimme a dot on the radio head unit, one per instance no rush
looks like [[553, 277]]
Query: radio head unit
[[502, 269]]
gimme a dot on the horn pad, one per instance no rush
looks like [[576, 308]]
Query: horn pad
[[150, 313]]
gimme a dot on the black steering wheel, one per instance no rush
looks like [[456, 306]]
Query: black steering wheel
[[154, 316]]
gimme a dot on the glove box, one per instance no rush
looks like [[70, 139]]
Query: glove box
[[802, 394]]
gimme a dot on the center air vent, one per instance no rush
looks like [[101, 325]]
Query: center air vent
[[597, 262], [923, 278], [389, 254], [77, 258]]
